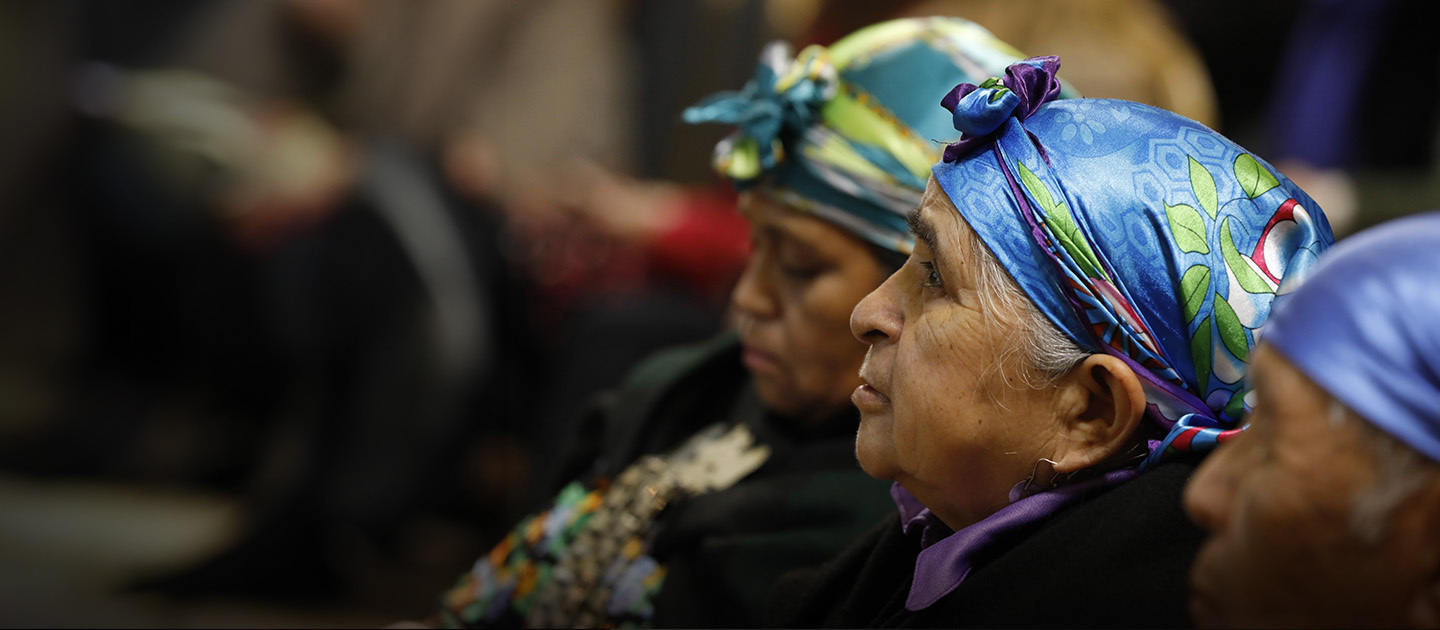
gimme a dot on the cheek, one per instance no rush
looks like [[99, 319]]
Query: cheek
[[933, 382], [1290, 551], [826, 354], [958, 427], [930, 419], [1244, 572]]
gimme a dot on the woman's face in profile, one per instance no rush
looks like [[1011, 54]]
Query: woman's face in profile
[[942, 411], [1280, 501], [803, 278]]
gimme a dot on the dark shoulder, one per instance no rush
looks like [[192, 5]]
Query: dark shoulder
[[853, 589], [1121, 559], [661, 402], [669, 367]]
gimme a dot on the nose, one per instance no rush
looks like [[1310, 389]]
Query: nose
[[878, 316], [1211, 491], [753, 294]]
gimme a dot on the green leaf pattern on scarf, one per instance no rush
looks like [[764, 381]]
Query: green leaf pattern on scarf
[[1238, 266], [1194, 286], [1188, 227], [1232, 332], [1203, 183], [1255, 179], [1062, 224], [1235, 408]]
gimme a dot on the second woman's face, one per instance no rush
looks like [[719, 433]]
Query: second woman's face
[[794, 298], [941, 410]]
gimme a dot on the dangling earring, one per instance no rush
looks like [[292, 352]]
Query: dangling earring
[[1055, 481]]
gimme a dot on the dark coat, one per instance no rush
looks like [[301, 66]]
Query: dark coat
[[724, 550], [1121, 559]]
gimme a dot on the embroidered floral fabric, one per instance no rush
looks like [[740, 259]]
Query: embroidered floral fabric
[[584, 562]]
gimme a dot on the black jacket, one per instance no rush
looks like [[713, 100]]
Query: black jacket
[[1118, 560]]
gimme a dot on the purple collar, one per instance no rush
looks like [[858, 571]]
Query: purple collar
[[946, 558]]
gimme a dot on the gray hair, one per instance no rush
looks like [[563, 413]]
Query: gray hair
[[1401, 471], [1039, 353], [1044, 352]]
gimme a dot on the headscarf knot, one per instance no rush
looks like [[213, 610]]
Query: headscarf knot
[[979, 110], [784, 97]]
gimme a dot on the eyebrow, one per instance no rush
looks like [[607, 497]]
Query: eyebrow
[[925, 232]]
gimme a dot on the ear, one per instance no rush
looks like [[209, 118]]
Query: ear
[[1105, 406]]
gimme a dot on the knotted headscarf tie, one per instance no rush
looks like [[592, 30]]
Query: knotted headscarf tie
[[978, 110], [1137, 232], [785, 95], [849, 132]]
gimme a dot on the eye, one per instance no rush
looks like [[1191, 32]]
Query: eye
[[931, 276], [801, 272], [800, 262]]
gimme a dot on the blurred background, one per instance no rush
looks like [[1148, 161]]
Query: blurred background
[[300, 298]]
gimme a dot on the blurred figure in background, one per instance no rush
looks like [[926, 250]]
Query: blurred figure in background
[[309, 273], [290, 297], [1332, 140], [1127, 49]]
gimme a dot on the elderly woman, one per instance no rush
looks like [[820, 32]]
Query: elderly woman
[[1324, 514], [1070, 334], [717, 468]]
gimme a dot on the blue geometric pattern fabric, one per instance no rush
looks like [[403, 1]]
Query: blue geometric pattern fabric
[[1138, 233]]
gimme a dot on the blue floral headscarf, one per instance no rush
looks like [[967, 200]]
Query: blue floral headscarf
[[849, 132], [1138, 232]]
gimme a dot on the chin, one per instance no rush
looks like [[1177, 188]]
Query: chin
[[871, 461], [773, 395]]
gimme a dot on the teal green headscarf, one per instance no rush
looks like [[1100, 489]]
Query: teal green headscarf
[[849, 132]]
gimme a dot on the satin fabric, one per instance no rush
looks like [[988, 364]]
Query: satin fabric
[[849, 131], [946, 558], [1364, 328], [1137, 232]]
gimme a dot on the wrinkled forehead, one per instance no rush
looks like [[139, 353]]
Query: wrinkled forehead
[[935, 197], [939, 225], [1287, 402]]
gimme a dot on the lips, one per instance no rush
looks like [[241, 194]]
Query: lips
[[867, 398], [757, 360]]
